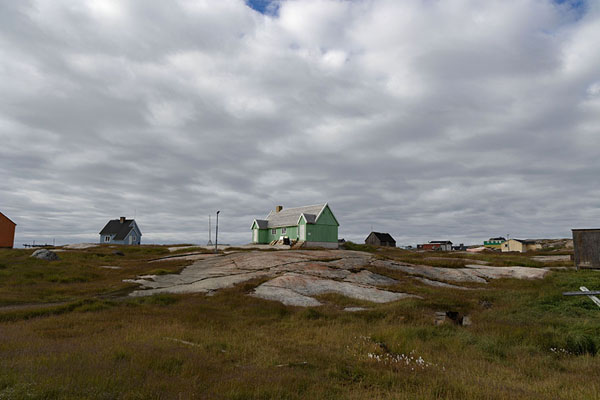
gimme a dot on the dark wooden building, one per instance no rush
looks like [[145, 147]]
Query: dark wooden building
[[7, 231], [586, 243], [380, 239]]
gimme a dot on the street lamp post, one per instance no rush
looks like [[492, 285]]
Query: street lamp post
[[217, 232]]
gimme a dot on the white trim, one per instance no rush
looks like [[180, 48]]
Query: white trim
[[300, 218]]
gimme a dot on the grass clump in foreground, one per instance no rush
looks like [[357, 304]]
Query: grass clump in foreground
[[527, 341]]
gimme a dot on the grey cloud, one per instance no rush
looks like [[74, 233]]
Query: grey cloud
[[458, 120]]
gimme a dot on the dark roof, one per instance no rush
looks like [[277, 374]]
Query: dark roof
[[115, 227], [497, 238], [262, 223], [440, 242], [8, 218], [526, 241], [383, 237]]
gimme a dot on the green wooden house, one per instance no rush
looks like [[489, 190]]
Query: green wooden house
[[315, 225]]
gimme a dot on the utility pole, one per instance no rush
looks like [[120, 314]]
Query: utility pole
[[217, 232]]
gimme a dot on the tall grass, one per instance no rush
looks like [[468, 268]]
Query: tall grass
[[527, 341]]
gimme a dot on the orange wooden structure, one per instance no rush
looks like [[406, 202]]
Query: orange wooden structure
[[7, 231]]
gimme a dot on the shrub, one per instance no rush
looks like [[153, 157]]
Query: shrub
[[359, 247], [580, 343]]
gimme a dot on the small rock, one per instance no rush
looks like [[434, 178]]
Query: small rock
[[45, 254], [354, 309], [485, 304], [454, 316], [440, 318], [118, 253]]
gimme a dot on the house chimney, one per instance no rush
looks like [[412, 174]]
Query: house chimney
[[278, 208], [122, 219]]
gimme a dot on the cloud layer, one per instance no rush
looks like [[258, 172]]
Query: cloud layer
[[429, 120]]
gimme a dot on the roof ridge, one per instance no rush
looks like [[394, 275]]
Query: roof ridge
[[311, 205]]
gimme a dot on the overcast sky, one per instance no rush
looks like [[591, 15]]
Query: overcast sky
[[430, 120]]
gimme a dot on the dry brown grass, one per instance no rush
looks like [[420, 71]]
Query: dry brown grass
[[234, 346]]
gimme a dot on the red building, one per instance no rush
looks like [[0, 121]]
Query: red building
[[439, 245], [7, 231]]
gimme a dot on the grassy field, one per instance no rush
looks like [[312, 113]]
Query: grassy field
[[68, 332]]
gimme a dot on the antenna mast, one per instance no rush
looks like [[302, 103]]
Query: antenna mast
[[209, 233]]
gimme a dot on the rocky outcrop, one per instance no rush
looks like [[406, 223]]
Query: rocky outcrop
[[295, 277], [45, 254]]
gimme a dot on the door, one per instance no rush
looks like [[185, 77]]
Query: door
[[255, 235], [301, 232]]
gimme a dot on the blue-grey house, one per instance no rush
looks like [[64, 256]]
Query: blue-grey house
[[121, 231]]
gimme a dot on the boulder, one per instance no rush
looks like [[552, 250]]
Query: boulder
[[45, 254]]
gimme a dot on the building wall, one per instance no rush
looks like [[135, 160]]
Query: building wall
[[493, 245], [321, 233], [137, 240], [513, 245], [325, 229], [586, 245], [327, 218], [263, 236], [103, 238], [7, 232], [291, 232], [372, 240]]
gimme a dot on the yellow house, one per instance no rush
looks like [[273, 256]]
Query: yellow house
[[520, 246]]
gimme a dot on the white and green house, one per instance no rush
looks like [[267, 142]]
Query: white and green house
[[316, 226]]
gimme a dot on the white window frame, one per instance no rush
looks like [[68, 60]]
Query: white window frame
[[274, 231], [107, 239], [283, 231]]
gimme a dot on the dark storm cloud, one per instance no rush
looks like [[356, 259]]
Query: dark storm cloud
[[456, 119]]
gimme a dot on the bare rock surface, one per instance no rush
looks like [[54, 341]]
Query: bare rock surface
[[470, 273], [561, 257], [307, 285], [80, 246], [439, 284], [355, 309], [470, 260], [295, 277], [45, 254], [185, 256]]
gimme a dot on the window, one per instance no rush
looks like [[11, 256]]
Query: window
[[283, 231], [107, 238], [273, 231]]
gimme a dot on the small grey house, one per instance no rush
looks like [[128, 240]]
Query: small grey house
[[586, 246], [380, 239], [121, 231]]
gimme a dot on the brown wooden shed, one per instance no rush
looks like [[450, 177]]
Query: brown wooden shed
[[380, 239], [7, 231], [586, 245]]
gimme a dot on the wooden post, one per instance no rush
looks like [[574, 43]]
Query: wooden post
[[594, 298]]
